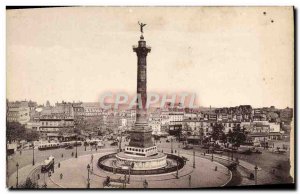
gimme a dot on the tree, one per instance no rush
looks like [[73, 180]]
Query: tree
[[218, 132], [15, 131], [32, 136], [28, 184], [76, 130], [237, 136]]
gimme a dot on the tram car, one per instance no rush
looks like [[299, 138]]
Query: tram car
[[64, 144], [48, 146], [48, 165], [70, 143], [76, 143]]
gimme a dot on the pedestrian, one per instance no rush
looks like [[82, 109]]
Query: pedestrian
[[72, 154], [61, 176], [58, 165], [62, 155], [145, 184], [108, 179], [216, 168]]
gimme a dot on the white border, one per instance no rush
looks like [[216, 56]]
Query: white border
[[5, 3]]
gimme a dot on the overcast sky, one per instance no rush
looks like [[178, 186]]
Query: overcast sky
[[227, 56]]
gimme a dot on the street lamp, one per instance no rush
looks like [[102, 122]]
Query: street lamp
[[172, 145], [120, 144], [194, 162], [212, 154], [88, 179], [92, 162], [125, 181], [76, 147], [177, 169], [129, 168], [33, 154], [17, 165]]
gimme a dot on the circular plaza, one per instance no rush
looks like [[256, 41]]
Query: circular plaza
[[87, 173]]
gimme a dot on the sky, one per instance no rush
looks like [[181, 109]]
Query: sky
[[227, 56]]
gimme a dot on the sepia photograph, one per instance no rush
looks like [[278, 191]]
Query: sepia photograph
[[150, 97]]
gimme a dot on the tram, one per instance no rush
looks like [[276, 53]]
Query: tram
[[48, 165], [70, 143], [48, 146]]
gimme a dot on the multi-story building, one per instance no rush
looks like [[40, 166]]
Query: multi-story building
[[55, 123], [259, 115], [165, 118], [155, 123], [78, 111], [92, 109], [19, 111], [175, 120], [65, 108]]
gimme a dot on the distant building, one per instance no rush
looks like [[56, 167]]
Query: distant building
[[155, 123], [165, 118], [92, 109], [54, 124], [19, 111], [175, 121]]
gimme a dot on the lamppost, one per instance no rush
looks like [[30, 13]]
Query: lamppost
[[212, 154], [194, 162], [17, 165], [88, 179], [177, 169], [76, 147], [129, 174], [125, 177], [92, 162], [172, 145], [255, 168], [33, 163], [120, 144]]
